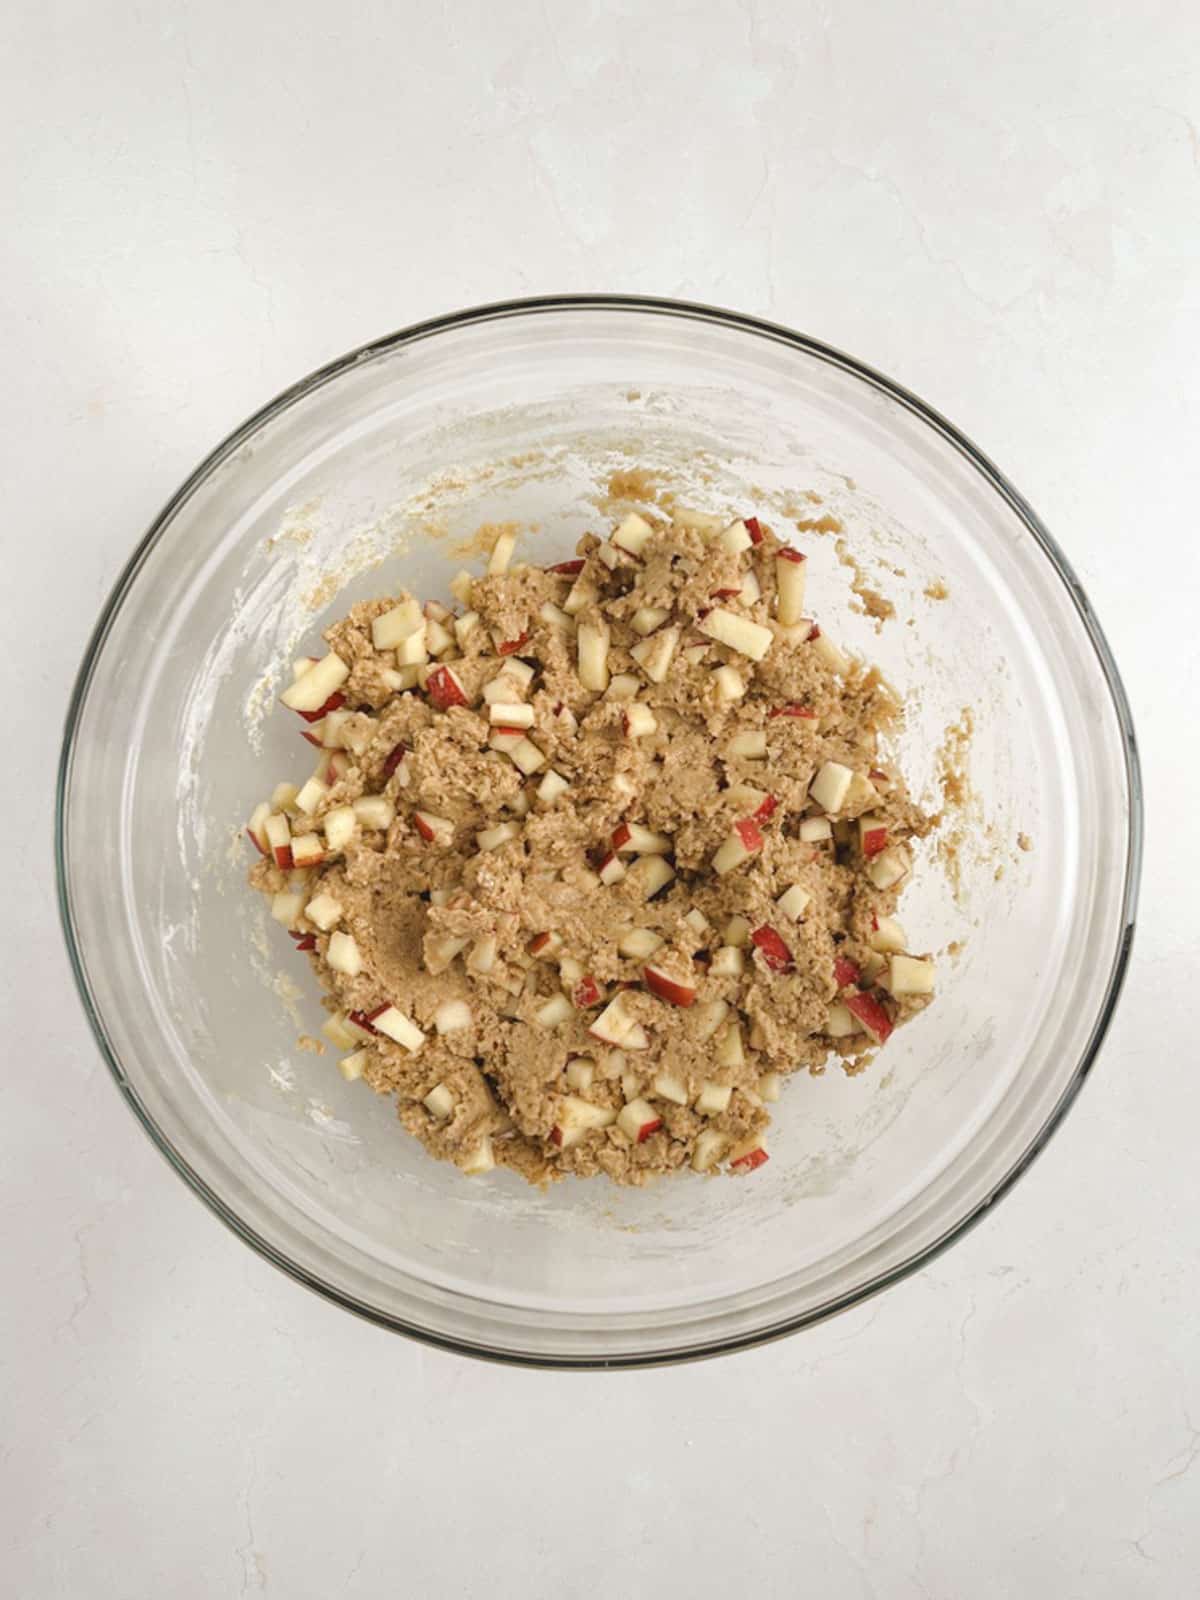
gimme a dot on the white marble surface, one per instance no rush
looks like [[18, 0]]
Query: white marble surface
[[998, 203]]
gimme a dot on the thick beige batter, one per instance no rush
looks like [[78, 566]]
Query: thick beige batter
[[613, 845]]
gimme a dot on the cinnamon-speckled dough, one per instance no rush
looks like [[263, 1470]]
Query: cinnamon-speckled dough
[[506, 1073]]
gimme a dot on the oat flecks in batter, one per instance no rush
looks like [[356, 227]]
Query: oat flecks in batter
[[589, 862]]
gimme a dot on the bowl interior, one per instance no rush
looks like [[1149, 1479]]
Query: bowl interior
[[376, 475]]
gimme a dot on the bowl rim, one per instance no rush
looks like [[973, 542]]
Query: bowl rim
[[755, 327]]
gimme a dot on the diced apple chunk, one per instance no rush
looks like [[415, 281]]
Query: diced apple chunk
[[770, 1086], [452, 1016], [480, 1160], [307, 850], [373, 811], [729, 1051], [583, 592], [736, 932], [554, 1012], [814, 829], [527, 758], [649, 874], [580, 1072], [493, 838], [887, 869], [727, 962], [552, 786], [502, 552], [343, 955], [831, 785], [434, 830], [748, 1154], [612, 869], [640, 722], [638, 1120], [483, 954], [574, 1118], [311, 691], [794, 902], [738, 633], [623, 687], [287, 907], [646, 618], [729, 683], [390, 1021], [279, 839], [669, 987], [439, 1103], [465, 626], [709, 1017], [401, 622], [887, 935], [835, 659], [655, 652], [745, 839], [323, 911], [352, 1067], [338, 1033], [708, 1150], [839, 1024], [639, 943], [749, 745], [510, 714], [735, 538], [910, 975], [791, 569], [667, 1086], [592, 642], [633, 534], [713, 1098]]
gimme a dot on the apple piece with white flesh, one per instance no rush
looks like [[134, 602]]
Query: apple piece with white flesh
[[403, 621], [480, 1160], [440, 953], [639, 722], [287, 907], [452, 1016], [615, 1026], [352, 1067], [647, 618], [591, 643], [390, 1021], [887, 868], [791, 570], [256, 830], [737, 633], [624, 686], [633, 534], [836, 660], [439, 1102], [554, 1012], [667, 1086], [434, 830], [910, 975], [638, 943], [338, 1033], [483, 954], [650, 874], [552, 786], [465, 626], [709, 1017], [727, 962], [749, 745], [708, 1150], [583, 593], [794, 902], [279, 839], [339, 826], [730, 684], [871, 1015], [545, 944], [612, 869], [887, 935], [744, 841], [310, 796], [831, 786], [751, 590], [655, 653], [502, 553], [813, 830], [713, 1098], [632, 838], [343, 955], [438, 638], [312, 692], [575, 1118], [526, 757], [729, 1051], [445, 688], [773, 948], [510, 714], [667, 987], [493, 838], [735, 538], [580, 1073], [307, 850], [770, 1086], [283, 797], [638, 1120]]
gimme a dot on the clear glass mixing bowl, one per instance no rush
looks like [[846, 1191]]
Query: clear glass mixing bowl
[[364, 476]]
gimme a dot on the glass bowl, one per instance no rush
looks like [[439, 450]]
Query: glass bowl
[[370, 474]]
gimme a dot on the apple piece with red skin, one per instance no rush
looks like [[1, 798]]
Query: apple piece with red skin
[[726, 594], [790, 573], [509, 647], [444, 689], [569, 569], [754, 528], [744, 840], [544, 944], [639, 1120], [279, 838], [793, 709], [867, 1010], [334, 703], [434, 830], [612, 869], [305, 941], [845, 971], [587, 992], [872, 836], [773, 948], [668, 988], [767, 809], [747, 1163], [394, 759], [577, 1117]]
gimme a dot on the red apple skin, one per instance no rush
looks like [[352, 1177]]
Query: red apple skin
[[511, 646], [504, 728], [679, 994], [773, 949], [423, 828], [538, 942], [622, 834], [257, 846], [334, 702], [363, 1020], [872, 1016], [749, 833], [647, 1128], [587, 993], [555, 1133], [283, 857], [788, 554], [874, 841], [754, 529], [306, 941], [794, 710], [816, 632], [570, 569], [748, 1162], [724, 594], [845, 972], [443, 690], [312, 738], [767, 809], [394, 760]]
